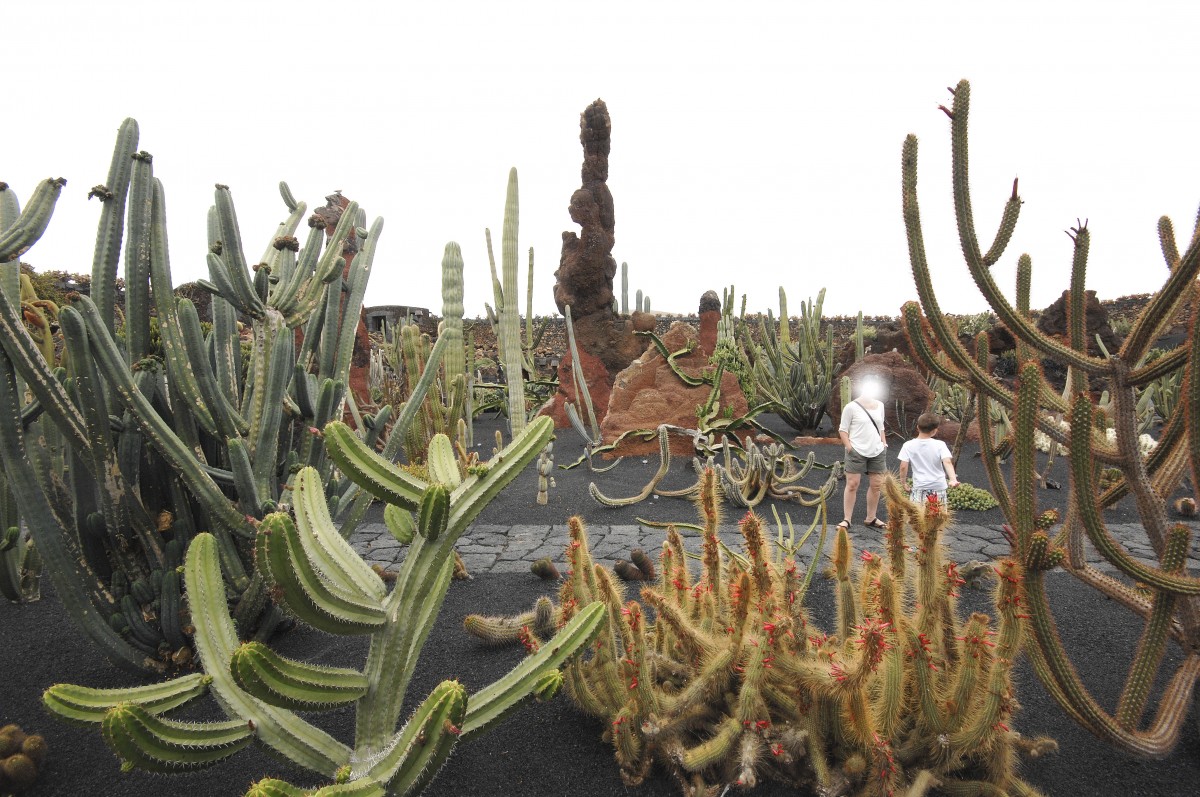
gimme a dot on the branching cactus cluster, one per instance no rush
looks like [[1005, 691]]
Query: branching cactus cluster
[[733, 682], [1169, 605], [123, 458], [315, 574], [796, 377]]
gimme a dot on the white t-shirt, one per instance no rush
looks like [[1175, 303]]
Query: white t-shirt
[[925, 456], [864, 435]]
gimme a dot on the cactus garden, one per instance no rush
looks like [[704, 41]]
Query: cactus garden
[[256, 549]]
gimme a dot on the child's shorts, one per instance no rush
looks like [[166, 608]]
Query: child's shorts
[[918, 496]]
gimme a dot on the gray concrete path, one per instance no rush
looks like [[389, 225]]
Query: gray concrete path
[[511, 549]]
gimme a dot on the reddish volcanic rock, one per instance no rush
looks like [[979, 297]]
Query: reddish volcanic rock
[[649, 393], [597, 378]]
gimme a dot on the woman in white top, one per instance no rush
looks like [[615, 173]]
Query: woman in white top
[[861, 430]]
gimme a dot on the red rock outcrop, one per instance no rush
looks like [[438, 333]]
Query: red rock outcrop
[[596, 376], [649, 393]]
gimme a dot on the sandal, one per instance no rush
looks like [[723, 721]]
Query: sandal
[[845, 524], [875, 523]]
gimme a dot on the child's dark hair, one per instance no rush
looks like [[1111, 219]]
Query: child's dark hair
[[928, 421]]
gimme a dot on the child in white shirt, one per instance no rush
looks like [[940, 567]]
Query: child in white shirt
[[932, 465]]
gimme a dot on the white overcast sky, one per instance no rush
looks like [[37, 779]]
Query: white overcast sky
[[753, 143]]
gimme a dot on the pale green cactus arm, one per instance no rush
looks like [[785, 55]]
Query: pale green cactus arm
[[294, 685], [216, 641], [87, 706], [155, 744], [499, 699], [304, 590], [510, 313], [110, 228]]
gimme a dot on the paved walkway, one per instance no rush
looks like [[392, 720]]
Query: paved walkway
[[510, 549]]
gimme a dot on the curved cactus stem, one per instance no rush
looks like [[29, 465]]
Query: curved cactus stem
[[216, 640], [664, 465], [305, 591], [327, 549], [499, 699], [87, 706], [295, 685], [29, 226], [160, 745]]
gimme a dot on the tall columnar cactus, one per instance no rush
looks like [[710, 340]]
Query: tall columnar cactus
[[19, 563], [508, 308], [1169, 606], [455, 361], [625, 289], [796, 378], [732, 682], [320, 579], [131, 454]]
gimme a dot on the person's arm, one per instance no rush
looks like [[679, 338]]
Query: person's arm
[[951, 477], [844, 428], [903, 471]]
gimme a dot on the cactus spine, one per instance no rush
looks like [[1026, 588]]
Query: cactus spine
[[1173, 595]]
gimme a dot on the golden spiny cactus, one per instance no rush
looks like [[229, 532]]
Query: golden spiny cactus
[[732, 682]]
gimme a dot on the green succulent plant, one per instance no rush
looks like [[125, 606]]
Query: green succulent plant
[[318, 578]]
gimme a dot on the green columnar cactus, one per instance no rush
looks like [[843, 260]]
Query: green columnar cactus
[[455, 361], [796, 379], [637, 305], [154, 450], [509, 310], [625, 289], [1171, 605], [18, 559], [732, 682], [321, 580]]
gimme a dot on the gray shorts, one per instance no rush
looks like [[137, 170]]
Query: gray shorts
[[857, 463]]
